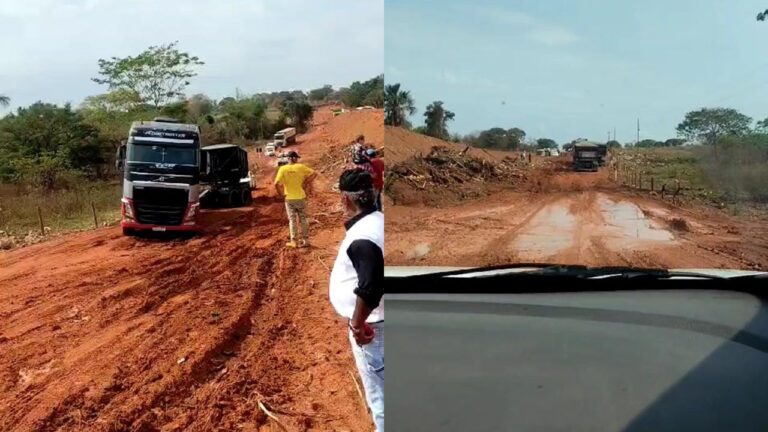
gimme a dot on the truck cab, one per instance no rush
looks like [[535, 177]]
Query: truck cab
[[269, 149], [161, 176], [285, 137]]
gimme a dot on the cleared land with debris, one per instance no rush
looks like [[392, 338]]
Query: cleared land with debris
[[448, 206]]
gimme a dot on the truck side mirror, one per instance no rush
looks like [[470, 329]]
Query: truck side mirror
[[120, 157]]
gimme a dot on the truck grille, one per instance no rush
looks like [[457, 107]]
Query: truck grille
[[160, 206]]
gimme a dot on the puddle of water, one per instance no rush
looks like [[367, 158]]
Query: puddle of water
[[627, 222], [418, 251], [550, 231]]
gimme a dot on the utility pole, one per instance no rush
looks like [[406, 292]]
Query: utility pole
[[614, 133], [638, 130]]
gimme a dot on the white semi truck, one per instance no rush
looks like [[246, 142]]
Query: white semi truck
[[285, 137]]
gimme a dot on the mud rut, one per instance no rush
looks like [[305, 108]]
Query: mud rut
[[574, 218], [102, 332]]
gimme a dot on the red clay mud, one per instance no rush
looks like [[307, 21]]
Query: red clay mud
[[109, 333]]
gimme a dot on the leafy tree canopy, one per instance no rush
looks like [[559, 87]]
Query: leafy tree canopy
[[157, 75]]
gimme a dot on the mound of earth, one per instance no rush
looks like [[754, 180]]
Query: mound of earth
[[447, 175], [402, 144]]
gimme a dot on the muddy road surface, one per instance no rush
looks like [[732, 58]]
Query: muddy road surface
[[109, 333], [574, 218]]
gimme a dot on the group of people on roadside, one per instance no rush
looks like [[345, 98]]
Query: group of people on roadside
[[357, 279], [365, 157]]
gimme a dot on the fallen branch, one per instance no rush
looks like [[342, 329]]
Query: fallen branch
[[270, 415]]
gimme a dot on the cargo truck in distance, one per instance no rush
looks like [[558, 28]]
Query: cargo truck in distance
[[161, 176], [586, 156], [285, 137], [224, 175]]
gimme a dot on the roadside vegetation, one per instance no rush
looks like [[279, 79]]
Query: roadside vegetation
[[58, 160]]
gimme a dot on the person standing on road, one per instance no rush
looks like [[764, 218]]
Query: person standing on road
[[294, 177], [357, 284], [378, 175]]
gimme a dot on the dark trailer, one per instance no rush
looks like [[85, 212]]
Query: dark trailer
[[225, 176]]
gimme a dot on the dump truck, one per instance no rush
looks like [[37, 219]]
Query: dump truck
[[586, 156], [225, 177], [285, 137], [161, 176]]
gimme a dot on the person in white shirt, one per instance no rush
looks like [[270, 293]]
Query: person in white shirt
[[357, 284]]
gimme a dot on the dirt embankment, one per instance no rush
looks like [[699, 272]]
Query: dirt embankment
[[477, 214], [109, 333]]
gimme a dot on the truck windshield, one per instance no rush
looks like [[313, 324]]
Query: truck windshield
[[162, 154]]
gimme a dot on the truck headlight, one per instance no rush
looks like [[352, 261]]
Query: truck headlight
[[126, 208], [191, 214]]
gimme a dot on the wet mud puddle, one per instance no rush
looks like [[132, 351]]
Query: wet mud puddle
[[616, 225]]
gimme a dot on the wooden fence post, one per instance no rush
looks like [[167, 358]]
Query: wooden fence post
[[651, 184], [95, 221], [40, 216]]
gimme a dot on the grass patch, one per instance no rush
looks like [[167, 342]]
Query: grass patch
[[63, 210], [738, 175]]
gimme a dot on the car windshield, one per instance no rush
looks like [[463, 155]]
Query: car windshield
[[668, 172], [162, 154]]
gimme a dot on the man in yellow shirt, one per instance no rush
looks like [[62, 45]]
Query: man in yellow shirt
[[293, 177]]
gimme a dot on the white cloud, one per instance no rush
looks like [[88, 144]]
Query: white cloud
[[536, 30], [552, 35]]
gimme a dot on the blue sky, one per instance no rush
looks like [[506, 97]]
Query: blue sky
[[51, 47], [564, 69]]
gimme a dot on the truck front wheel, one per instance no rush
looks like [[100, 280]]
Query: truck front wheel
[[245, 196], [129, 232], [234, 198]]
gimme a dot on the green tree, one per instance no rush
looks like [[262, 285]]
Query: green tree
[[545, 143], [436, 119], [52, 138], [321, 93], [5, 101], [398, 105], [762, 126], [300, 112], [494, 138], [112, 114], [375, 98], [199, 106], [610, 144], [762, 16], [515, 138], [157, 75], [709, 124]]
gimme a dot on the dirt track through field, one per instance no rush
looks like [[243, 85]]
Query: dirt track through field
[[108, 333], [573, 218]]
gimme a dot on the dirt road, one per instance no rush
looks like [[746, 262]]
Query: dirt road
[[574, 218], [108, 333]]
